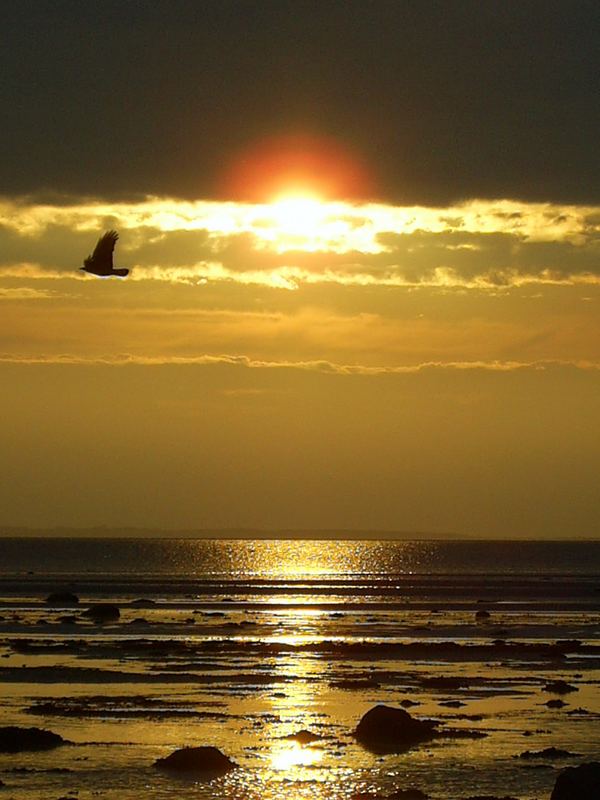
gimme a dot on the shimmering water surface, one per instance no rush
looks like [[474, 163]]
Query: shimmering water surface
[[239, 644]]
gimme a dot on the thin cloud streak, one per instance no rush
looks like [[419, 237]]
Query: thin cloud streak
[[327, 367], [290, 278], [27, 293]]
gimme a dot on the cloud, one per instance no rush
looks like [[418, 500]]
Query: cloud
[[474, 245], [26, 293], [320, 366], [374, 327]]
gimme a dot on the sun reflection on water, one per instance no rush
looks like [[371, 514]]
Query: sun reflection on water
[[287, 756], [300, 559]]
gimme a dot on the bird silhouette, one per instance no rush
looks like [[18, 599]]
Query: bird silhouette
[[101, 261]]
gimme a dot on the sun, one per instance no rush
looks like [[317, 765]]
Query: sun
[[298, 214]]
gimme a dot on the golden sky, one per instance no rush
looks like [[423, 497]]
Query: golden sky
[[302, 364]]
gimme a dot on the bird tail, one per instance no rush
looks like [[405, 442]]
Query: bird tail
[[122, 272]]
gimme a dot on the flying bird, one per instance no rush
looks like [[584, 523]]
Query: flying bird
[[101, 261]]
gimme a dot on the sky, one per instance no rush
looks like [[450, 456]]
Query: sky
[[364, 252]]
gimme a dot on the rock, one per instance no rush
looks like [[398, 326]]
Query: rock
[[356, 685], [560, 687], [551, 753], [303, 737], [142, 602], [103, 612], [578, 783], [62, 599], [462, 733], [482, 615], [392, 730], [208, 761], [555, 704], [452, 703], [68, 619], [409, 703], [17, 740]]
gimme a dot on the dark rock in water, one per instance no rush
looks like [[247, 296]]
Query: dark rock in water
[[142, 602], [68, 619], [551, 753], [356, 685], [409, 703], [560, 687], [555, 704], [452, 703], [62, 599], [578, 783], [392, 730], [303, 737], [209, 761], [17, 740], [103, 612], [482, 615], [462, 733]]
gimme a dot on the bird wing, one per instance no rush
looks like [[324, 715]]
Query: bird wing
[[102, 256]]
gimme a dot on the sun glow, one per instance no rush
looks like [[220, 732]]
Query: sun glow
[[301, 221], [298, 214]]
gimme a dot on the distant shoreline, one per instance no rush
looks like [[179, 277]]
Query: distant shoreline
[[221, 534]]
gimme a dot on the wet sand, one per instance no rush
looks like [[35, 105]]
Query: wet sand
[[245, 665]]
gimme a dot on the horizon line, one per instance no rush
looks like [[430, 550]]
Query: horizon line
[[269, 534]]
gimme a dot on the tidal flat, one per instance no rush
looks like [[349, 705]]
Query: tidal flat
[[276, 665]]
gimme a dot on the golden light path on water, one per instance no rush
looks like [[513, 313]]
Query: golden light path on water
[[310, 559], [299, 701], [294, 755]]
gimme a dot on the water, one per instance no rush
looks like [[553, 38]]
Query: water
[[279, 559], [238, 644]]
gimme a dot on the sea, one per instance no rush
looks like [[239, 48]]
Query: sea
[[273, 651]]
